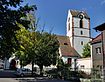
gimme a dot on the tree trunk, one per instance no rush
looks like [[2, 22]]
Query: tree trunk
[[32, 67], [41, 70], [21, 65]]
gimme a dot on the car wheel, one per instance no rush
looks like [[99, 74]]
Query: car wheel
[[22, 75]]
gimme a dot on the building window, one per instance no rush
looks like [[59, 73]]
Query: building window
[[81, 42], [68, 19], [69, 61], [81, 32], [69, 26], [98, 50], [82, 66], [99, 66], [65, 44]]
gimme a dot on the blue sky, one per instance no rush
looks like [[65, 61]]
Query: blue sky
[[53, 13]]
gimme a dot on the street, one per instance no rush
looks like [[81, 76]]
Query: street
[[8, 76], [28, 80]]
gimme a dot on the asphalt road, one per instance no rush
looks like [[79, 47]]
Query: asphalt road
[[39, 80], [28, 80], [8, 76]]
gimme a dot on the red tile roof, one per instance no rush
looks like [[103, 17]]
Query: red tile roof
[[65, 47], [97, 39]]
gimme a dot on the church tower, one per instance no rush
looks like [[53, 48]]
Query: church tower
[[78, 29]]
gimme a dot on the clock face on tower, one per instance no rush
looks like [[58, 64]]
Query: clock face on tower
[[81, 16]]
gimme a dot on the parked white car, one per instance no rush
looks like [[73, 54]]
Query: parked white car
[[23, 72]]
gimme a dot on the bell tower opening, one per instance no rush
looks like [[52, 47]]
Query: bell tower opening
[[81, 23], [81, 20]]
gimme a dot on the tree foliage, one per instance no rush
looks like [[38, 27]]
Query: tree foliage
[[39, 48], [23, 37], [48, 50], [86, 51], [9, 18], [18, 35]]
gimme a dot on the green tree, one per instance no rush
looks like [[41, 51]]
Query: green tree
[[60, 65], [47, 51], [23, 37], [39, 48], [86, 50], [28, 40], [11, 13]]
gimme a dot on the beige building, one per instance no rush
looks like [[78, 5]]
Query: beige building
[[97, 52], [101, 57]]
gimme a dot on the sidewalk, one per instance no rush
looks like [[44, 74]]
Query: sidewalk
[[8, 80]]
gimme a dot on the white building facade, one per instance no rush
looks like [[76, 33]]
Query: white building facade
[[78, 29], [84, 64], [78, 34]]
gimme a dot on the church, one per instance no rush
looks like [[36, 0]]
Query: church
[[78, 34]]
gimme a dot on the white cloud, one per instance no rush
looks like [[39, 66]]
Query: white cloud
[[103, 2]]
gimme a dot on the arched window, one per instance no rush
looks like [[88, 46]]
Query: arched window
[[81, 32], [81, 25], [81, 21], [81, 42]]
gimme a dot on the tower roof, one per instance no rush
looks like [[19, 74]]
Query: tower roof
[[75, 13]]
